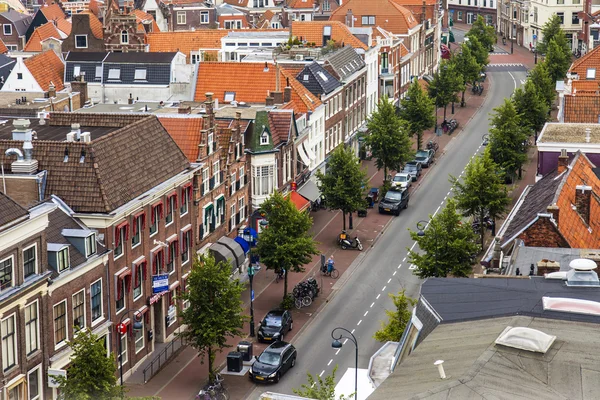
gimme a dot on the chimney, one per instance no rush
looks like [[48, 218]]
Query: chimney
[[349, 18], [51, 90], [277, 97], [208, 103], [269, 101], [80, 86], [130, 99], [287, 91], [563, 161], [184, 110], [553, 209], [496, 253], [583, 197]]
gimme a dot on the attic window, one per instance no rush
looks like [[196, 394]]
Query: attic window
[[76, 70], [124, 37], [90, 245], [327, 30], [322, 76], [591, 73], [140, 75], [305, 78], [81, 42], [264, 138], [99, 72], [114, 74], [229, 96]]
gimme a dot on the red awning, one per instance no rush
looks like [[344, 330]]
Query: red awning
[[300, 202], [123, 272]]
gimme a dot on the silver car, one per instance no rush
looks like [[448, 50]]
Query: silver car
[[402, 180]]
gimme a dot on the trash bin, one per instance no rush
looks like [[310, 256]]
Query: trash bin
[[245, 348], [234, 362]]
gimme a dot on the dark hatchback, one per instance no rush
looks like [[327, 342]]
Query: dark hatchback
[[414, 168], [394, 201], [273, 363], [425, 157], [275, 325]]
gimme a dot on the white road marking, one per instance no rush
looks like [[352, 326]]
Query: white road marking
[[394, 274], [372, 304], [389, 280], [366, 312], [377, 298], [329, 363], [513, 78], [352, 331], [413, 246], [445, 197], [435, 213], [322, 372], [383, 288], [338, 350], [400, 265], [359, 322], [404, 259], [412, 266], [449, 192], [345, 341]]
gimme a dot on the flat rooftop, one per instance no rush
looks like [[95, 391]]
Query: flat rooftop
[[33, 100], [554, 132], [52, 132]]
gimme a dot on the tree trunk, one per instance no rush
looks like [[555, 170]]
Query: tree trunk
[[445, 111], [482, 233], [285, 283], [211, 360], [385, 173], [419, 140], [462, 101], [344, 219]]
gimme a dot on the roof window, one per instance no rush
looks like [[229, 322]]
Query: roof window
[[305, 78], [526, 339], [322, 76], [591, 73], [327, 30], [114, 74], [229, 96], [140, 75]]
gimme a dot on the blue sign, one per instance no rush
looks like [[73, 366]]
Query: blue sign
[[160, 283], [252, 295]]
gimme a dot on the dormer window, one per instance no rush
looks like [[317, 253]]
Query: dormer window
[[264, 138], [90, 245], [591, 73], [140, 75], [58, 256], [30, 261]]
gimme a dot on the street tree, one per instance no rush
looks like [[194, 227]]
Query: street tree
[[485, 34], [343, 182], [215, 308], [480, 53], [481, 192], [543, 82], [531, 106], [285, 243], [557, 60], [388, 138], [418, 110], [467, 66], [319, 388], [550, 30], [508, 136], [91, 374], [446, 83], [397, 319], [446, 246]]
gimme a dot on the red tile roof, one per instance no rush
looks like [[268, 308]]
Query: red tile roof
[[52, 11], [295, 4], [64, 26], [582, 108], [94, 7], [590, 60], [186, 41], [43, 32], [142, 16], [280, 125], [312, 31], [388, 14], [251, 83], [46, 67], [579, 86], [186, 133], [3, 48]]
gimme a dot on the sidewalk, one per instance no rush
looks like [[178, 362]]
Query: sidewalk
[[185, 375]]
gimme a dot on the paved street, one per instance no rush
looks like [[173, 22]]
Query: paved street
[[360, 305]]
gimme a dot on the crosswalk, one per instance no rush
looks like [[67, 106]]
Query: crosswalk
[[506, 67]]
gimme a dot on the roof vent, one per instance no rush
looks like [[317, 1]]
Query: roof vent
[[525, 339], [21, 130], [588, 137], [574, 306], [582, 273]]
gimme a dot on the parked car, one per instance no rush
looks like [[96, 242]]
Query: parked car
[[414, 168], [275, 325], [402, 179], [273, 362], [425, 157], [394, 201]]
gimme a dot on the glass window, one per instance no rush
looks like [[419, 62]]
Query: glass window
[[575, 19], [205, 178], [139, 338], [96, 300], [31, 328], [6, 273], [204, 17], [63, 259], [79, 310], [76, 70], [159, 262], [180, 17], [242, 209], [30, 261], [561, 17], [186, 238], [98, 72], [171, 205], [60, 322], [172, 255], [114, 74], [140, 75], [185, 198], [120, 303], [33, 383], [156, 216], [124, 37], [137, 280], [7, 29], [137, 228], [590, 73], [81, 41], [120, 238], [90, 245], [123, 340], [9, 343]]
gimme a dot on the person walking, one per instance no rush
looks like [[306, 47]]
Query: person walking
[[330, 265]]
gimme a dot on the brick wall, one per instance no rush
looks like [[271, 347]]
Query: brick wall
[[543, 233]]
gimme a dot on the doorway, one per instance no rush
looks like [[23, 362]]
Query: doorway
[[159, 321]]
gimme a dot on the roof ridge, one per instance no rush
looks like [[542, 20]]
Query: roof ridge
[[96, 169]]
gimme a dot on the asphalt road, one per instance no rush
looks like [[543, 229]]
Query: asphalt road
[[359, 305]]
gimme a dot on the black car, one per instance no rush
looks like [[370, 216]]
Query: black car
[[274, 325], [394, 201], [273, 362], [425, 157], [414, 168]]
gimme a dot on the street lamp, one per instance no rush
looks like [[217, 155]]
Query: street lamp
[[336, 344], [252, 270], [485, 139], [122, 330]]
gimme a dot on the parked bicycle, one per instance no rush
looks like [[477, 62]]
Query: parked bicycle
[[214, 391], [328, 269], [279, 275], [304, 292]]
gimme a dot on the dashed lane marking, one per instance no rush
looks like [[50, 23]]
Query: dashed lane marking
[[329, 363], [377, 298], [383, 288], [372, 304], [394, 274], [322, 372], [359, 322], [389, 280]]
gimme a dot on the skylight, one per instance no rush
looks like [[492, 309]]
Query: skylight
[[574, 306], [525, 339], [591, 73], [322, 76], [229, 97], [305, 77]]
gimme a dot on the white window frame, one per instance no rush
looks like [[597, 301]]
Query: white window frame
[[135, 271], [35, 268], [217, 172], [101, 317], [204, 17], [205, 180], [98, 72], [140, 74], [186, 200], [181, 17], [121, 245], [82, 291], [233, 181], [15, 340], [138, 222], [38, 371], [86, 42], [189, 246], [124, 37], [90, 252], [142, 333], [123, 355], [114, 74], [232, 209], [171, 206], [9, 26], [76, 70], [64, 341], [590, 73], [241, 205], [242, 174], [29, 352], [264, 139], [12, 273]]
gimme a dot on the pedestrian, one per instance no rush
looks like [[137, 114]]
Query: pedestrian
[[330, 264], [530, 46]]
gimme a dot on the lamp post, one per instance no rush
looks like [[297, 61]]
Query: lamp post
[[485, 139], [122, 330], [336, 344], [252, 270], [513, 26], [535, 56], [422, 225]]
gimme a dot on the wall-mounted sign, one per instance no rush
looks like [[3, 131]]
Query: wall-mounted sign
[[160, 283]]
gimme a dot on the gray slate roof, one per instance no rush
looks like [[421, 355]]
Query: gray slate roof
[[20, 21], [345, 62], [315, 82], [10, 211], [140, 58]]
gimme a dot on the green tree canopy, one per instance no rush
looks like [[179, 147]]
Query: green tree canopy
[[418, 110], [286, 242], [480, 53], [319, 388], [540, 77], [398, 318], [467, 66], [507, 138], [446, 83], [388, 138], [343, 182], [447, 246], [91, 374], [485, 34], [550, 30], [531, 106], [557, 59], [215, 308], [481, 192]]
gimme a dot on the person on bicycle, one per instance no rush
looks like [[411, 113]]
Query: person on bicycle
[[330, 265]]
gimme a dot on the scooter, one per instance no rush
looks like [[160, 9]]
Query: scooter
[[347, 243], [431, 145]]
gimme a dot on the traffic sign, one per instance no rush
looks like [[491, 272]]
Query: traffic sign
[[252, 295], [122, 329]]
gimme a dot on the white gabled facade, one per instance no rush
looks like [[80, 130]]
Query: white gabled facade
[[21, 79]]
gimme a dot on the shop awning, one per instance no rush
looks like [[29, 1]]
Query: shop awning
[[300, 202], [310, 190], [309, 151], [222, 253], [303, 155], [238, 253]]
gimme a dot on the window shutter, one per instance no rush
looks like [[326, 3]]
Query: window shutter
[[119, 289], [144, 268], [155, 264]]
